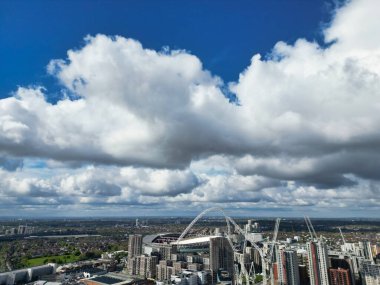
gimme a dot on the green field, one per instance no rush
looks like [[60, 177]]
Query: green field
[[60, 259]]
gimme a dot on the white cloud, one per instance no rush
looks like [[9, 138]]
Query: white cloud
[[308, 119], [135, 106], [159, 182], [97, 184], [355, 27], [234, 188]]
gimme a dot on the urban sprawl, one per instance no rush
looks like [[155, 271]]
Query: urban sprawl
[[206, 250]]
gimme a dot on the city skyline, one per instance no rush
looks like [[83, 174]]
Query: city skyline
[[173, 109]]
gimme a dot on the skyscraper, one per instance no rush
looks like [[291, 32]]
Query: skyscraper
[[287, 267], [143, 265], [164, 269], [134, 245], [221, 256], [134, 251], [317, 259], [147, 267], [365, 250], [133, 266]]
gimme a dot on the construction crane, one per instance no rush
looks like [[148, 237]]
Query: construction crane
[[267, 260], [341, 234], [243, 269], [270, 256], [252, 269], [253, 243], [275, 233], [345, 250], [310, 227]]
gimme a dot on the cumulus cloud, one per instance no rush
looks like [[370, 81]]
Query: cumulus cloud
[[135, 107], [90, 183], [15, 184], [234, 188], [159, 182], [314, 110], [308, 119], [97, 184]]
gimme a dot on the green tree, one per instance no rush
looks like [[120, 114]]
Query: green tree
[[258, 278]]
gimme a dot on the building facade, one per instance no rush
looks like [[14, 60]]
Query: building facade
[[134, 245], [339, 276], [318, 262], [287, 267], [221, 256], [370, 273]]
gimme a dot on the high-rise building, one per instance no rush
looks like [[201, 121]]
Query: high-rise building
[[143, 265], [133, 266], [166, 251], [370, 273], [21, 230], [24, 229], [243, 259], [134, 245], [134, 252], [163, 270], [339, 276], [304, 277], [248, 227], [206, 263], [318, 260], [275, 272], [221, 256], [178, 266], [287, 267], [255, 256], [342, 262], [365, 250], [148, 266], [195, 266]]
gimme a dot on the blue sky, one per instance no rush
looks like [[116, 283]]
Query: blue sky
[[224, 35], [120, 108]]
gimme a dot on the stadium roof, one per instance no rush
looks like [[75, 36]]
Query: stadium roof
[[194, 240]]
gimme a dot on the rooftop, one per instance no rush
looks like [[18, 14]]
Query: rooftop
[[111, 278], [195, 240], [108, 280]]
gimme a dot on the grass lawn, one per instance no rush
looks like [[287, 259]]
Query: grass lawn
[[60, 259]]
